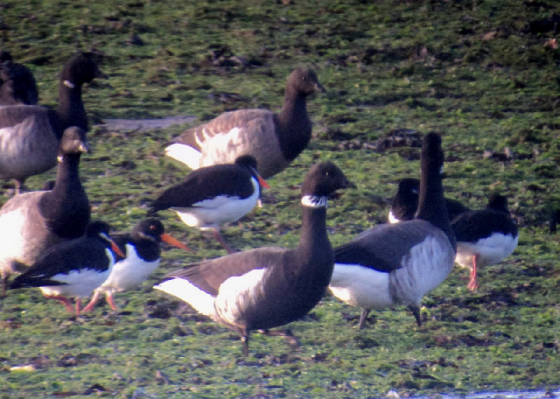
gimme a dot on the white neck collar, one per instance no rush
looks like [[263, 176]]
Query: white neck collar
[[314, 201], [68, 84]]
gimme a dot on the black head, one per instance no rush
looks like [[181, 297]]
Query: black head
[[323, 179], [151, 227], [81, 68], [73, 141], [409, 187], [498, 202], [304, 81], [98, 228], [5, 56], [247, 161]]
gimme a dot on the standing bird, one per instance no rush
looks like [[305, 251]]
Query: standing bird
[[31, 222], [267, 287], [212, 196], [73, 268], [274, 139], [400, 263], [17, 84], [30, 134], [405, 202], [142, 250], [485, 237]]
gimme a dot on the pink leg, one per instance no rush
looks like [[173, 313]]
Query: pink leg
[[91, 303], [109, 299], [65, 301], [221, 240], [78, 305], [473, 282]]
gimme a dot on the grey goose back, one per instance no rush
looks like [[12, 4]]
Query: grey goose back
[[34, 221], [267, 287], [17, 84], [399, 263], [274, 139], [30, 134]]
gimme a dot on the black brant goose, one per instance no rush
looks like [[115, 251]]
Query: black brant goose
[[405, 202], [274, 139], [399, 263], [31, 222], [17, 84], [484, 237], [212, 196], [267, 287], [73, 268], [142, 250], [30, 134]]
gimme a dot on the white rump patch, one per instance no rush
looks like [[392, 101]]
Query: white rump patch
[[200, 300], [361, 286], [184, 154]]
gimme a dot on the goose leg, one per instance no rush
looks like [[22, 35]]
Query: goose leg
[[416, 312], [245, 343], [363, 318]]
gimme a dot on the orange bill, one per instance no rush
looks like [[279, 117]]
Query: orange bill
[[173, 241], [117, 250], [263, 182]]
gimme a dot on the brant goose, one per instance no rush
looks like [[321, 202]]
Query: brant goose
[[484, 237], [214, 195], [142, 251], [399, 263], [73, 268], [405, 202], [30, 134], [274, 139], [17, 84], [267, 287], [31, 222]]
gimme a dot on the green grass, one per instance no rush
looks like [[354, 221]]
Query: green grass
[[478, 72]]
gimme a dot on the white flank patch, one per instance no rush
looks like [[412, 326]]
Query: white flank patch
[[425, 267], [212, 213], [11, 241], [491, 250], [236, 293], [185, 154], [200, 300], [357, 285], [392, 218], [220, 147], [128, 273]]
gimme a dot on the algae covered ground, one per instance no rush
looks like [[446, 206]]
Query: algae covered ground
[[484, 74]]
